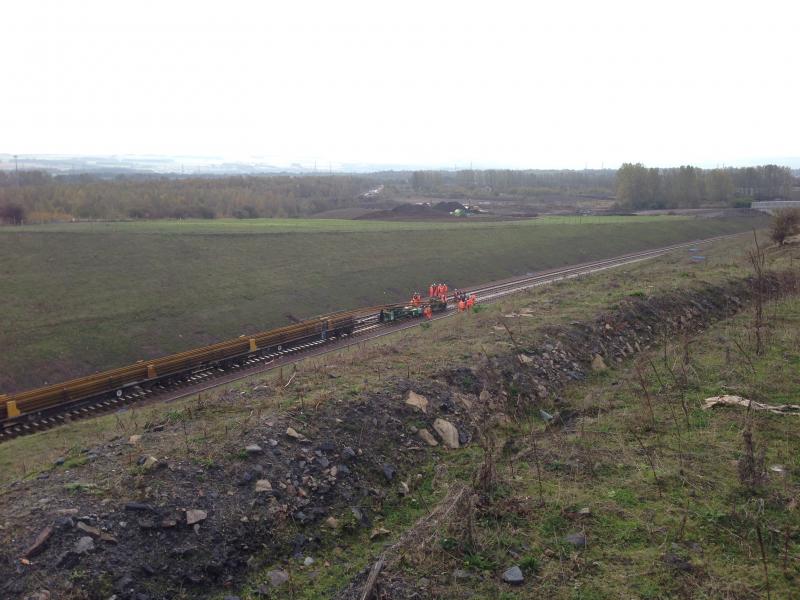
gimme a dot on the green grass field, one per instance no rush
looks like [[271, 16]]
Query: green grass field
[[77, 298]]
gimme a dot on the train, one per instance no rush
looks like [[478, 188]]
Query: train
[[143, 374]]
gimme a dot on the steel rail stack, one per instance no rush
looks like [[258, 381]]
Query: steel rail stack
[[144, 374]]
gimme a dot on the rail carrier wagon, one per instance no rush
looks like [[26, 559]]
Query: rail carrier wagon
[[144, 374]]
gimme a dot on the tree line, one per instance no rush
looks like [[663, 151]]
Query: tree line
[[640, 187], [633, 185], [39, 197]]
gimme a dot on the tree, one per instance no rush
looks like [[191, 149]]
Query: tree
[[633, 185], [719, 186], [785, 223]]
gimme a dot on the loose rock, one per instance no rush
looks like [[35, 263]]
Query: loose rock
[[83, 545], [389, 472], [598, 364], [676, 562], [513, 576], [427, 437], [418, 401], [576, 539], [64, 523], [195, 515], [253, 449], [277, 578], [448, 432], [92, 531], [263, 485], [39, 543]]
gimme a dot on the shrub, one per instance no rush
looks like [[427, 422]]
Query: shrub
[[12, 213], [785, 223]]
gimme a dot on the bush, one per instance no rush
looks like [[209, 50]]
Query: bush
[[785, 223], [12, 213]]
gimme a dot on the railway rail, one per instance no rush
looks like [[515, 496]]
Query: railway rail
[[194, 371]]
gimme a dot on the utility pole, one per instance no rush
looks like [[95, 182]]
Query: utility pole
[[16, 169]]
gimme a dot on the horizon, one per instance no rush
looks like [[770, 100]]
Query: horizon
[[222, 165]]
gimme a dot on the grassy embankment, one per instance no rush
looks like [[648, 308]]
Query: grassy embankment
[[78, 298], [688, 530]]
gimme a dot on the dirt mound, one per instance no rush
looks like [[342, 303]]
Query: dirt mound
[[449, 207], [411, 212], [570, 353], [171, 525]]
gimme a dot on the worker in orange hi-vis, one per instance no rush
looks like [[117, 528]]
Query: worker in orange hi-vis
[[444, 288], [428, 312], [461, 306], [470, 302], [431, 290]]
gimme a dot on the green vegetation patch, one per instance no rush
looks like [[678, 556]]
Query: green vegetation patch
[[78, 298]]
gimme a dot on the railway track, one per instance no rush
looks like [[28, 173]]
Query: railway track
[[367, 328]]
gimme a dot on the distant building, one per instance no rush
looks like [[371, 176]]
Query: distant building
[[770, 206]]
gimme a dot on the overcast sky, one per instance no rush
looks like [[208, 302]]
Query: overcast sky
[[518, 84]]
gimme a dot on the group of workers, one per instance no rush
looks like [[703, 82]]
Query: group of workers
[[438, 290], [463, 300]]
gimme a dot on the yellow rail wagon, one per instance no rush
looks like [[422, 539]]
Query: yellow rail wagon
[[145, 373]]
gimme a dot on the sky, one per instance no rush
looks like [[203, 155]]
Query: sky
[[530, 84]]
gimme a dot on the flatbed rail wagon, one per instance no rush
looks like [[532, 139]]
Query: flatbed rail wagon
[[14, 407]]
